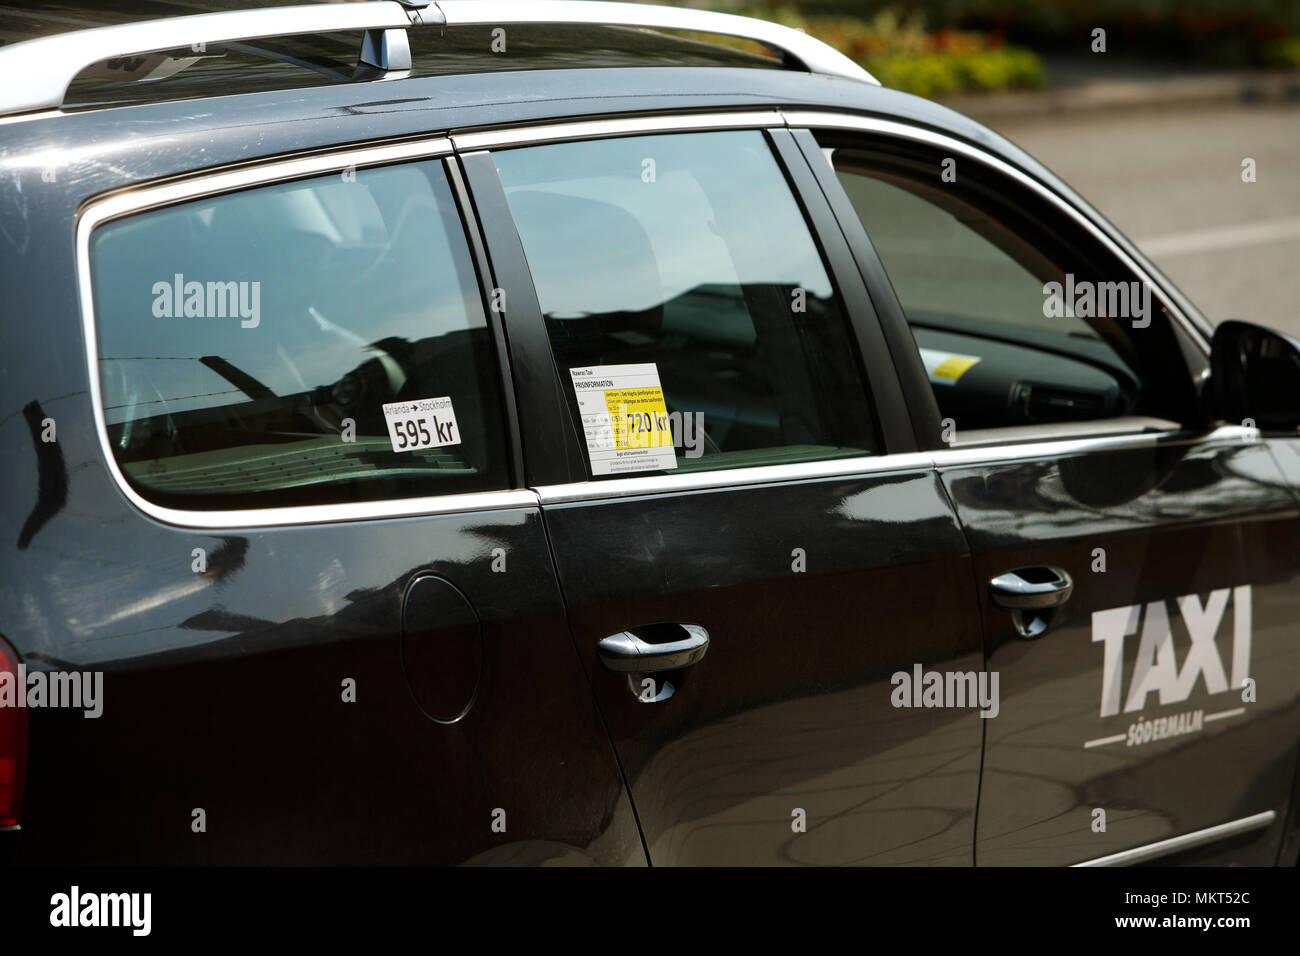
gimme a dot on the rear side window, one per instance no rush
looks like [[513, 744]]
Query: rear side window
[[314, 342], [683, 263]]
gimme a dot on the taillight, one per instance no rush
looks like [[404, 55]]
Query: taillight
[[13, 739]]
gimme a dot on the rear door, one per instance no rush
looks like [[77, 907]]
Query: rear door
[[294, 541], [1137, 566], [754, 562]]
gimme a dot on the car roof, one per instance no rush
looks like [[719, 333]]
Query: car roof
[[103, 149], [432, 84]]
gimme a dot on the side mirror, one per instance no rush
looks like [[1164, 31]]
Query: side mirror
[[1255, 374]]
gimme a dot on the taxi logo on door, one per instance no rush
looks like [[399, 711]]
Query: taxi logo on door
[[1167, 668]]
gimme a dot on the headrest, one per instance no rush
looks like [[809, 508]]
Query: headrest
[[590, 259]]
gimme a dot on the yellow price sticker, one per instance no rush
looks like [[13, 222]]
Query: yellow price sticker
[[639, 418], [946, 368]]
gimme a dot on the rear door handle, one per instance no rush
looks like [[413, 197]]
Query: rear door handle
[[1032, 589], [628, 651]]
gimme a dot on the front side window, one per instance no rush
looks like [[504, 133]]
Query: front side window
[[678, 278], [312, 342], [1019, 319]]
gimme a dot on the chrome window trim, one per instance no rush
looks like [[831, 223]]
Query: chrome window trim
[[730, 478], [1018, 434], [822, 120], [127, 202], [253, 518], [735, 478], [471, 141], [1062, 447], [121, 204], [138, 199], [1186, 841]]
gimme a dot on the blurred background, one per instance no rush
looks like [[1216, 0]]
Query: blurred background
[[1148, 107]]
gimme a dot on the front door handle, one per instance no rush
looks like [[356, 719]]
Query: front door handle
[[1030, 594], [1032, 589], [629, 652]]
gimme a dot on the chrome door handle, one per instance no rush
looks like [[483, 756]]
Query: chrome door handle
[[1032, 589], [627, 651]]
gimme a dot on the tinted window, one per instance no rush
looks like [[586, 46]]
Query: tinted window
[[976, 294], [249, 342], [689, 255], [939, 264]]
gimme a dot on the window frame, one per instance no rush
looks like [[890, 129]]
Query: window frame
[[126, 203], [554, 465], [1193, 343], [555, 453]]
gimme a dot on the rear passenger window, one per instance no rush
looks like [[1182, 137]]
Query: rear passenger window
[[686, 257], [249, 343]]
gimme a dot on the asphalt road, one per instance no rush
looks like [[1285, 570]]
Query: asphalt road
[[1171, 181]]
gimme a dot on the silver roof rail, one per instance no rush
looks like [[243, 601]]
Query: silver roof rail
[[813, 54], [37, 72]]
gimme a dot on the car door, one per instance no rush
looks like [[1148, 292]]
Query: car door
[[294, 543], [753, 559], [1136, 564]]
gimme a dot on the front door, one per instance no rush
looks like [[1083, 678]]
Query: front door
[[1137, 567]]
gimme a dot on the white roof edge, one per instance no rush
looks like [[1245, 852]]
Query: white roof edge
[[38, 72]]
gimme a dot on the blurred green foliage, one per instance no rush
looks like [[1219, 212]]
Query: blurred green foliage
[[903, 55], [1284, 52], [1215, 32]]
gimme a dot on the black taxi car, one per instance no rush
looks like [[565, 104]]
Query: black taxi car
[[567, 432]]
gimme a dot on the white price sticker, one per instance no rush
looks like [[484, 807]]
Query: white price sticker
[[423, 423], [624, 418]]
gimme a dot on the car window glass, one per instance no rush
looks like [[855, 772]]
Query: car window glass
[[976, 295], [249, 342], [689, 253]]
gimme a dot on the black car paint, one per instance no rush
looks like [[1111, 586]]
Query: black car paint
[[1187, 517], [790, 710], [225, 694]]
